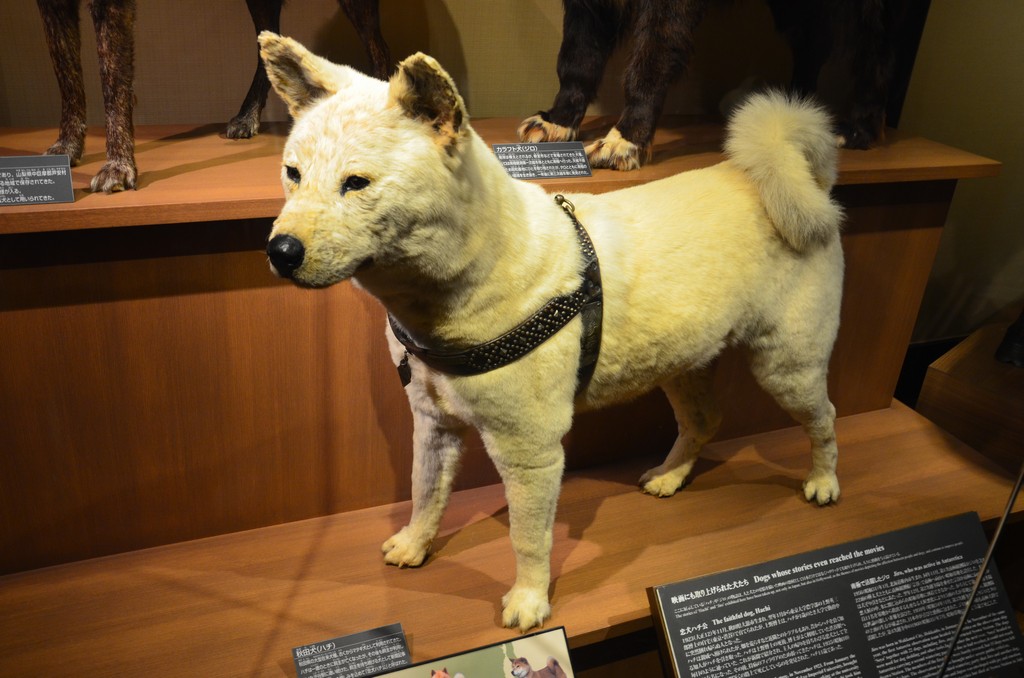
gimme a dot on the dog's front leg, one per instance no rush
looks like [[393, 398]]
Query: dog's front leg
[[532, 476], [661, 52], [266, 16], [60, 22], [364, 15], [114, 21], [437, 446], [589, 34]]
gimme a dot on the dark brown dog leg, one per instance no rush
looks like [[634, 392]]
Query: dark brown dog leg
[[861, 37], [60, 23], [663, 44], [266, 16], [114, 21], [871, 56], [808, 31], [365, 17], [590, 31]]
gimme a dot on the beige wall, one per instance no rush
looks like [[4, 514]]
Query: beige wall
[[966, 91], [195, 59]]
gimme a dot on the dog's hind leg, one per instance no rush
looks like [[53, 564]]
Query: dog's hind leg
[[590, 31], [114, 21], [60, 23], [266, 16], [364, 16], [796, 376], [437, 447], [698, 418], [661, 51]]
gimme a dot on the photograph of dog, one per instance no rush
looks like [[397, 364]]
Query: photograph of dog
[[387, 184], [660, 34], [114, 22], [443, 673], [522, 669]]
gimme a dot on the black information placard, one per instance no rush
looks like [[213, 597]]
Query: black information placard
[[882, 607], [35, 180], [548, 160], [369, 653]]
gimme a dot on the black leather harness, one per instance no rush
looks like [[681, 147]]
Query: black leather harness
[[586, 300]]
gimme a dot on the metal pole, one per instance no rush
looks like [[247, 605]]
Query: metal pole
[[981, 573]]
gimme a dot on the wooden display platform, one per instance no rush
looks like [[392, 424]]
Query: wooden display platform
[[235, 605], [977, 398]]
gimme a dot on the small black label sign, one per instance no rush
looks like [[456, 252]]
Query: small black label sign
[[35, 180], [369, 653], [549, 160]]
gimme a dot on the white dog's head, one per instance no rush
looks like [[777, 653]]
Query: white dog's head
[[371, 169]]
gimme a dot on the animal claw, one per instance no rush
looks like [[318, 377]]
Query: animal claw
[[822, 488], [617, 153], [115, 176], [404, 551], [536, 129], [524, 608]]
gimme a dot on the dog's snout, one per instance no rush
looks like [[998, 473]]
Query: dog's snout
[[286, 253]]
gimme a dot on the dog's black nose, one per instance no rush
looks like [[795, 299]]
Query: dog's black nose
[[286, 253]]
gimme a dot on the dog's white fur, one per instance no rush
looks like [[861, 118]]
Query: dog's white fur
[[746, 252]]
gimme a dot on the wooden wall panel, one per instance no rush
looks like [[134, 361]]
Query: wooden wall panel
[[151, 399]]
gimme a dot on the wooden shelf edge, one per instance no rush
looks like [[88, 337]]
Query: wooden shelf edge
[[243, 600], [189, 174]]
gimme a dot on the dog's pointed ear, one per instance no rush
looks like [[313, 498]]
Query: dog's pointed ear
[[300, 77], [424, 91]]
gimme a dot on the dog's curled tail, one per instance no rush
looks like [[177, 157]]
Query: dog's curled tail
[[786, 146]]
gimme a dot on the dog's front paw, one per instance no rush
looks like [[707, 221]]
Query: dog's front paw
[[662, 482], [115, 175], [244, 125], [405, 550], [535, 129], [822, 487], [524, 608], [615, 152], [859, 134], [73, 149]]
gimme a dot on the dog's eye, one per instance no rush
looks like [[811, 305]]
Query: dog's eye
[[354, 183], [293, 174]]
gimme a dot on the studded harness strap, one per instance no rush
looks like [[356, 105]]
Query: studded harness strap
[[586, 300]]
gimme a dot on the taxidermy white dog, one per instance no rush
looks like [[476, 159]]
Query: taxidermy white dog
[[387, 184]]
